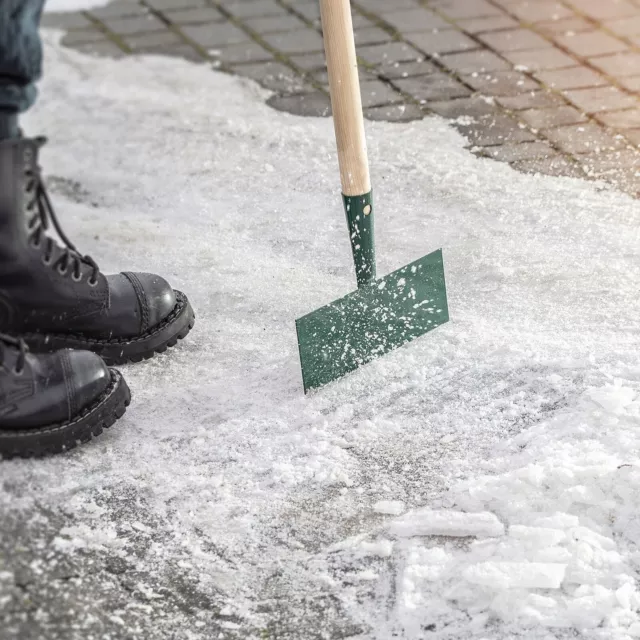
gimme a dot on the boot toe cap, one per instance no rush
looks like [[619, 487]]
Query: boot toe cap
[[90, 377], [156, 296]]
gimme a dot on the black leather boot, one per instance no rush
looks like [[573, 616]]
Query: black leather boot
[[54, 297], [51, 402]]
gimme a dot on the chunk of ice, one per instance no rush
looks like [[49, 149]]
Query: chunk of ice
[[427, 522], [389, 507], [512, 575], [537, 536]]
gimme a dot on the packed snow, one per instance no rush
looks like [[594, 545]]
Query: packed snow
[[62, 6], [482, 483]]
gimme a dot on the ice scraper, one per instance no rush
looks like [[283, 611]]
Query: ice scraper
[[382, 314]]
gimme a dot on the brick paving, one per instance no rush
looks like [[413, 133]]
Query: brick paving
[[549, 86]]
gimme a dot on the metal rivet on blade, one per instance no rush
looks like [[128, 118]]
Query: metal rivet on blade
[[367, 210]]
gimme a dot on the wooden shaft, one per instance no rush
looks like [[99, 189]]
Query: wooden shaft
[[346, 102]]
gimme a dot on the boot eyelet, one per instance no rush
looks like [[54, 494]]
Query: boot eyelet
[[46, 260], [92, 283], [62, 272], [18, 372], [74, 278]]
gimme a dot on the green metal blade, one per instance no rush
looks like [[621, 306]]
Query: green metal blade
[[373, 320]]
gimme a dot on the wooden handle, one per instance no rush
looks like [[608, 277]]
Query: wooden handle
[[340, 50]]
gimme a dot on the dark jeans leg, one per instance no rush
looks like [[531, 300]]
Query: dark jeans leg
[[20, 53]]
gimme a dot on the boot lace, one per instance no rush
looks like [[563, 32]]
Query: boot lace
[[42, 214], [7, 342]]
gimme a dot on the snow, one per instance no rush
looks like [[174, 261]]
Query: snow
[[60, 6], [510, 435]]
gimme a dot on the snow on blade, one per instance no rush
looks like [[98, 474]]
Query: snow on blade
[[515, 428]]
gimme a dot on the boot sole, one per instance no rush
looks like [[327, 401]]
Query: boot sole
[[123, 350], [56, 438]]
